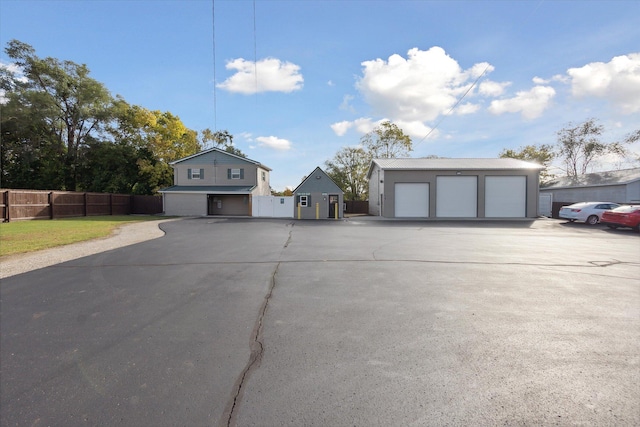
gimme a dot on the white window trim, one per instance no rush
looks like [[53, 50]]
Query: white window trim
[[235, 173], [304, 201]]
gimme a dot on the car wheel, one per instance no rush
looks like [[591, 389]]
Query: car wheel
[[592, 220]]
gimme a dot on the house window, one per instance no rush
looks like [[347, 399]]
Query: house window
[[304, 201], [195, 174], [264, 176], [235, 173]]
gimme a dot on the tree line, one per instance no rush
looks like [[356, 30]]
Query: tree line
[[63, 130]]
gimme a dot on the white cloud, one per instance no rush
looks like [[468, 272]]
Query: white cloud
[[362, 125], [530, 104], [342, 127], [421, 87], [273, 75], [618, 81], [274, 142], [416, 129], [491, 88]]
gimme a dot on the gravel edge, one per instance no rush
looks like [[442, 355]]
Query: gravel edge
[[125, 235]]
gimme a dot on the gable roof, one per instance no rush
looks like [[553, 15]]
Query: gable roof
[[215, 151], [453, 164], [318, 185], [598, 179]]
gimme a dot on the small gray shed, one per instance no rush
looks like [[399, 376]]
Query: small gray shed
[[621, 186], [318, 197]]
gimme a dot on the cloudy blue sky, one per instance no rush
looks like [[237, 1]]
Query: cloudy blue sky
[[296, 80]]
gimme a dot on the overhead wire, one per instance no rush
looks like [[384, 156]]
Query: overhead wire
[[213, 39], [471, 87], [255, 48], [456, 104]]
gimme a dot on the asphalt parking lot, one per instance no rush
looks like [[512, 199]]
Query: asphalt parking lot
[[254, 322]]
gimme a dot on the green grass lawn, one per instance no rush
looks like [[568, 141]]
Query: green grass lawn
[[27, 236]]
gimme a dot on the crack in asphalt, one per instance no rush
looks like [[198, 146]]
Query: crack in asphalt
[[257, 349], [587, 264]]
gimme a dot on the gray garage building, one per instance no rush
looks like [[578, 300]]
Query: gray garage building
[[453, 188], [621, 186]]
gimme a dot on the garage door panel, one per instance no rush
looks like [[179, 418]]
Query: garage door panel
[[411, 200], [457, 196], [505, 197]]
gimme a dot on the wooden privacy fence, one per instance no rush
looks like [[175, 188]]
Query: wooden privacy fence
[[34, 204], [356, 206]]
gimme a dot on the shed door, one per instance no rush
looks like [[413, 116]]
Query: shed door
[[411, 200], [505, 197], [457, 196]]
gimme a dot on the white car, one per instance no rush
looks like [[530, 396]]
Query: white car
[[587, 212]]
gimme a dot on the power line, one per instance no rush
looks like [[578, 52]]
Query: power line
[[255, 48], [474, 83], [213, 39], [456, 104]]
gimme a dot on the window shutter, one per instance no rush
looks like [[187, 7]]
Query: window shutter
[[228, 173], [188, 173], [241, 173], [201, 173], [309, 201]]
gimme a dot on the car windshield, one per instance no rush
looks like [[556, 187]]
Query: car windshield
[[626, 209]]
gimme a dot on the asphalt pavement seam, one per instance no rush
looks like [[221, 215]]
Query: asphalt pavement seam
[[257, 349]]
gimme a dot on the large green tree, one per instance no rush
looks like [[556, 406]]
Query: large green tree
[[387, 141], [62, 130], [221, 139], [542, 154], [580, 145], [348, 169], [72, 107]]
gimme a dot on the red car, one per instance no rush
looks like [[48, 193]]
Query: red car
[[624, 216]]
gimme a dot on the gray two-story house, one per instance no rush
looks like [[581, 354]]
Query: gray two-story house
[[214, 182]]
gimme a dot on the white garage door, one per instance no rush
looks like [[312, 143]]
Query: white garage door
[[505, 197], [412, 200], [457, 196]]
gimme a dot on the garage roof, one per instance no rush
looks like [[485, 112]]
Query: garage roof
[[620, 177], [453, 164]]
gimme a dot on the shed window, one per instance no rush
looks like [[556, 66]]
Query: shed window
[[304, 201]]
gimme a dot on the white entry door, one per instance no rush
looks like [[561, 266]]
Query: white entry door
[[457, 196], [505, 197], [411, 200]]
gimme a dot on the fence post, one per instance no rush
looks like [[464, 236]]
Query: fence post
[[110, 204], [51, 197], [85, 204], [7, 206]]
